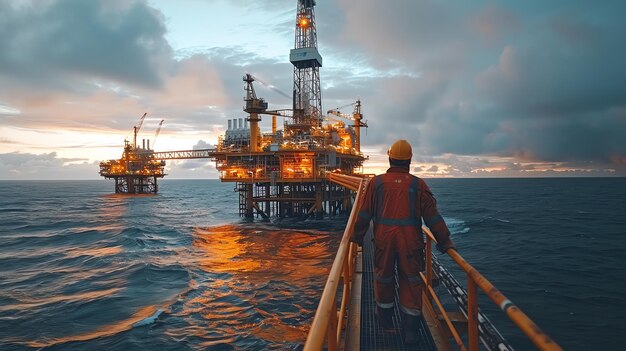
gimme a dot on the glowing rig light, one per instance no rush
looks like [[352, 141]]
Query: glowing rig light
[[303, 22]]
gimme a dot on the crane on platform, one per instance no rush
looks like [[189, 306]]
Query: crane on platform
[[259, 105], [156, 135], [270, 86], [137, 128], [143, 118], [256, 106], [356, 118]]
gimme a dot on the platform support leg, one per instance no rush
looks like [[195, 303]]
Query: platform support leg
[[249, 205]]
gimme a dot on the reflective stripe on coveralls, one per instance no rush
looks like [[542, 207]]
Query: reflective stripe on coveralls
[[413, 192]]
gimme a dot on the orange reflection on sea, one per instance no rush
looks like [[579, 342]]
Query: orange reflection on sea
[[275, 330], [271, 252], [224, 250], [262, 282]]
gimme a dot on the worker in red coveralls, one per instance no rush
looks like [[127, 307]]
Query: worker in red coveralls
[[397, 201]]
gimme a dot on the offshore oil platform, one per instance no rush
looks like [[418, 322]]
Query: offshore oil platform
[[282, 172], [137, 171], [313, 166]]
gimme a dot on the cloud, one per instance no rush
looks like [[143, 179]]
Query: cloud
[[4, 140], [197, 94], [8, 110], [201, 145], [191, 169], [476, 88], [493, 80], [19, 166], [493, 23], [557, 96], [80, 65], [450, 165], [52, 42]]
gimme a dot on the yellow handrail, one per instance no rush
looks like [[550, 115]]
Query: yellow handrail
[[474, 279], [328, 323]]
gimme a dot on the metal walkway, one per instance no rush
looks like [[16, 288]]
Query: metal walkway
[[345, 318], [372, 335]]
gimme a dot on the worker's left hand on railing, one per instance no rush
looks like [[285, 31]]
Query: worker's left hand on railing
[[445, 246], [356, 239]]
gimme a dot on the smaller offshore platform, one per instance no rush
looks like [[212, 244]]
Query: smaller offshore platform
[[282, 172], [138, 170]]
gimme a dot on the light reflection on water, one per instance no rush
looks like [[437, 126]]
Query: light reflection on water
[[264, 252], [261, 285], [248, 287], [144, 273]]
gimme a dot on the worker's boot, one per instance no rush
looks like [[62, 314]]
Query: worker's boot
[[384, 316], [410, 325]]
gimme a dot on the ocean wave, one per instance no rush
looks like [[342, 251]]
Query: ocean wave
[[13, 209], [24, 302], [148, 320], [85, 271], [136, 319], [456, 225]]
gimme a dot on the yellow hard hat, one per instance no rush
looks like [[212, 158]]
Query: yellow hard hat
[[400, 150]]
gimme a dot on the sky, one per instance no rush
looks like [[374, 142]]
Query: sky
[[479, 88]]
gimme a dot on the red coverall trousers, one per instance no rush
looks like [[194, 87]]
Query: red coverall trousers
[[396, 202]]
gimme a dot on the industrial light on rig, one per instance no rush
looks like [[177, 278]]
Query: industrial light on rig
[[304, 22]]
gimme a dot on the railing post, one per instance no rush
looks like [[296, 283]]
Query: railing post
[[472, 314], [331, 336], [349, 259], [345, 297], [429, 261]]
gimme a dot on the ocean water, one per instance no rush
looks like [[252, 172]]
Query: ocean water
[[556, 247], [81, 268]]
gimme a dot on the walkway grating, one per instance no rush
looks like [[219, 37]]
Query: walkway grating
[[372, 335]]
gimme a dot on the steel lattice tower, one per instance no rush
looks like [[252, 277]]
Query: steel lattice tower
[[306, 60]]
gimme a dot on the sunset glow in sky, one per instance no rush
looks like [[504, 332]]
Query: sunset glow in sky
[[480, 89]]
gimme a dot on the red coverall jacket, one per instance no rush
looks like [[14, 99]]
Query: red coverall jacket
[[396, 202]]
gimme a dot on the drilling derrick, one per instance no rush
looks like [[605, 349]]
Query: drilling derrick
[[306, 60]]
